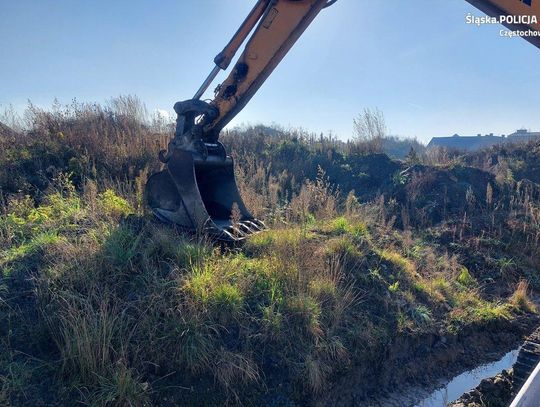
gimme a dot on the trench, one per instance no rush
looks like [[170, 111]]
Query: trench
[[467, 381], [419, 371], [445, 391]]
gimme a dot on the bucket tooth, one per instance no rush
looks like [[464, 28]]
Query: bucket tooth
[[255, 225], [236, 232], [246, 228]]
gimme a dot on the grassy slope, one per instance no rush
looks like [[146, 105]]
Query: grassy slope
[[101, 305], [132, 312]]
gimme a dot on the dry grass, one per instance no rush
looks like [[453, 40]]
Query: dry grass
[[520, 298]]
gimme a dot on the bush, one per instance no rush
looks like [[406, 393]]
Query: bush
[[113, 205]]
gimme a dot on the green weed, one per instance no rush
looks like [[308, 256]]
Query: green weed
[[464, 278], [403, 264], [122, 245], [113, 205]]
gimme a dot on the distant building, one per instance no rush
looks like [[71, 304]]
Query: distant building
[[467, 143], [471, 143], [523, 135]]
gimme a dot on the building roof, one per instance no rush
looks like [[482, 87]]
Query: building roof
[[467, 143], [471, 143], [525, 133]]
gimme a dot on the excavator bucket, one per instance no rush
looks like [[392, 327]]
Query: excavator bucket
[[201, 195]]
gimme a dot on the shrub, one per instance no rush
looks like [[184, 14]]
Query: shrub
[[494, 311], [394, 288], [89, 337], [114, 205], [421, 315], [277, 237], [123, 387], [316, 372], [272, 320], [340, 226], [323, 289], [199, 283], [359, 229], [233, 369], [342, 246], [32, 246], [227, 298], [122, 245], [59, 210], [194, 342]]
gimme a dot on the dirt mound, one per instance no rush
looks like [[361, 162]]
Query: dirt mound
[[429, 195], [517, 161], [370, 175]]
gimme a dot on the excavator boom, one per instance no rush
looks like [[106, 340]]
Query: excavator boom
[[280, 25]]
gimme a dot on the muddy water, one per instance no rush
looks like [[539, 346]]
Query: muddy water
[[464, 382]]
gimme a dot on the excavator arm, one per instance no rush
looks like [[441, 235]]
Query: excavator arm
[[197, 189], [274, 25], [280, 24]]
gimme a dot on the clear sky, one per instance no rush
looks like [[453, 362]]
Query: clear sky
[[416, 60]]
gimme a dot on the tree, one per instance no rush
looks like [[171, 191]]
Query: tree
[[369, 130]]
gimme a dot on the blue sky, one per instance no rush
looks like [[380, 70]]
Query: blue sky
[[416, 60]]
